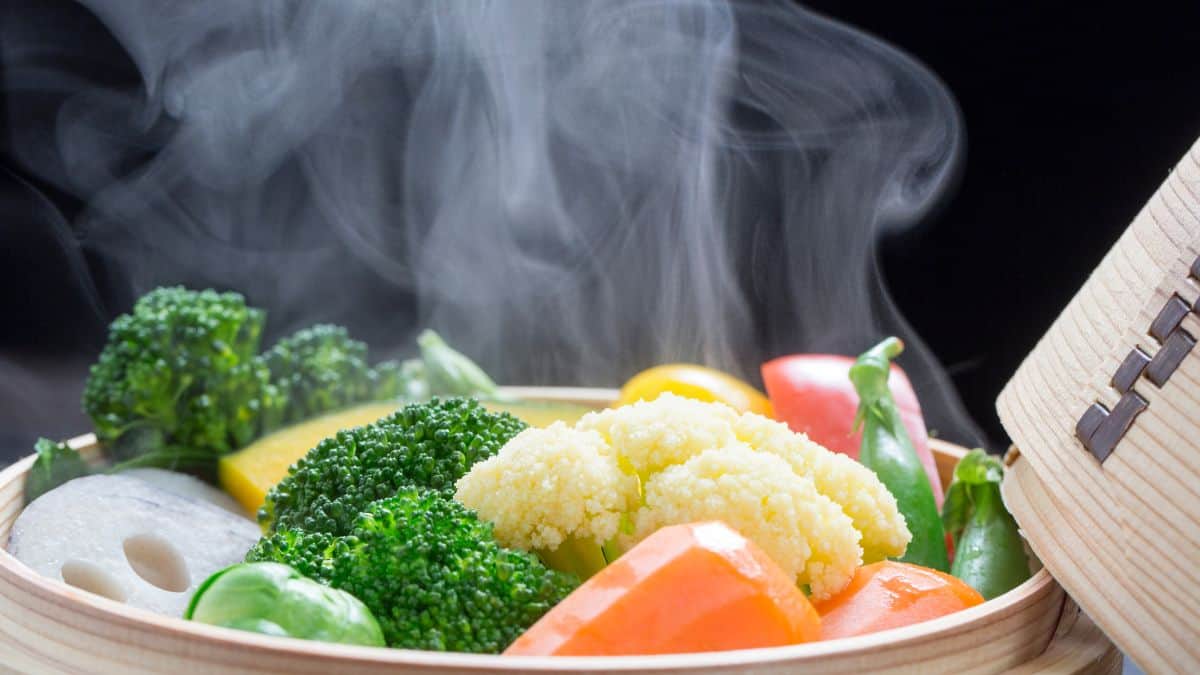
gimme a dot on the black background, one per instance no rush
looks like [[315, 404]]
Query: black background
[[1073, 117], [1074, 114]]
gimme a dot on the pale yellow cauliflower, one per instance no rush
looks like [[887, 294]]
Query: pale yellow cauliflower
[[873, 510], [649, 436], [578, 496], [758, 495], [546, 485]]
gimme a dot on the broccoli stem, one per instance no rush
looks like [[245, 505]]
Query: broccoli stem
[[612, 550], [171, 457], [581, 557]]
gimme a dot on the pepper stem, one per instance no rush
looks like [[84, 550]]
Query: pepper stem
[[870, 377]]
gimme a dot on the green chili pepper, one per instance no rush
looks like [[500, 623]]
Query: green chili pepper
[[989, 554], [449, 372], [888, 451]]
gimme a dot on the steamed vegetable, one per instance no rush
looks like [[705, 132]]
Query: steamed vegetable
[[449, 372], [274, 599], [888, 451], [251, 472], [580, 496], [813, 395], [188, 486], [890, 595], [698, 382], [990, 555], [556, 491], [56, 464], [128, 541], [687, 588], [539, 413], [321, 369], [426, 445], [178, 383], [429, 570], [400, 380]]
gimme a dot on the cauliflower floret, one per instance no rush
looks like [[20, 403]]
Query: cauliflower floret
[[863, 497], [578, 496], [758, 495], [650, 435], [547, 485]]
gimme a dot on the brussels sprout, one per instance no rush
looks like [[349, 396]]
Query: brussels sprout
[[275, 599]]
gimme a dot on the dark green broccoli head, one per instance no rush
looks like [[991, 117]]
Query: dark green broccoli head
[[430, 572], [436, 579], [178, 378], [400, 380], [320, 369], [308, 553], [427, 445]]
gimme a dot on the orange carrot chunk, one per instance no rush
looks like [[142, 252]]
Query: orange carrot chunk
[[891, 594], [699, 587]]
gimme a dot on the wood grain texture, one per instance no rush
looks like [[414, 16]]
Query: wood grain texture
[[1079, 646], [46, 626], [1123, 537]]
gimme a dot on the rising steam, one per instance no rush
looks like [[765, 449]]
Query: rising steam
[[569, 191]]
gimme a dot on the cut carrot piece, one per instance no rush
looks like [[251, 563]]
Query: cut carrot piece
[[699, 587], [891, 594]]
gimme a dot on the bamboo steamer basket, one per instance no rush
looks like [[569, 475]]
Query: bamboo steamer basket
[[1105, 416], [47, 626]]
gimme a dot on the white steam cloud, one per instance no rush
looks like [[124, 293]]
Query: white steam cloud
[[569, 191]]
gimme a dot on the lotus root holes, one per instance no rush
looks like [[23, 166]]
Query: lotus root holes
[[158, 562]]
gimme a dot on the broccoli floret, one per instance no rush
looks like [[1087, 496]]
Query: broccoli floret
[[400, 380], [318, 370], [426, 445], [430, 572], [308, 553], [321, 369], [178, 384]]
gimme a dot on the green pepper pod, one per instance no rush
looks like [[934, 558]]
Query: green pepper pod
[[275, 599], [449, 372], [989, 554], [888, 451]]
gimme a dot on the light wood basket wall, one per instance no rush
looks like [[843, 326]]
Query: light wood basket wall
[[47, 626], [1118, 519]]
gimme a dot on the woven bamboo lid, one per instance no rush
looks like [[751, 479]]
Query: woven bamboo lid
[[1105, 413]]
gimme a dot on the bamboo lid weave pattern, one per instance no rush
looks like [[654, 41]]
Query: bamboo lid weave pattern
[[1105, 412]]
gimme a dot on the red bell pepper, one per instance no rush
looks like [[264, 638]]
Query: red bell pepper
[[813, 394]]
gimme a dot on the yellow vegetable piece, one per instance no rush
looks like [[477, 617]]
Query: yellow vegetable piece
[[698, 382], [539, 414], [249, 473]]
